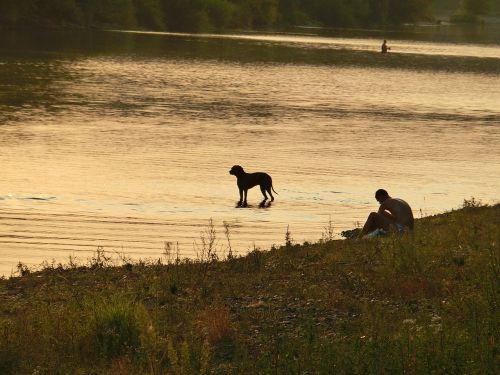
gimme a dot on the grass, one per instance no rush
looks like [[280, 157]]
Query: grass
[[425, 303]]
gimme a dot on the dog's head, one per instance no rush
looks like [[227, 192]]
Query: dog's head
[[236, 170]]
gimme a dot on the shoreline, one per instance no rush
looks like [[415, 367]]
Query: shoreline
[[111, 258]]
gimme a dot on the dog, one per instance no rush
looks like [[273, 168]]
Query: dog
[[247, 181]]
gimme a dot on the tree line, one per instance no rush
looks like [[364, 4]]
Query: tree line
[[203, 15], [210, 15], [469, 11]]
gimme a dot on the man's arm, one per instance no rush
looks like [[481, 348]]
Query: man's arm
[[383, 210]]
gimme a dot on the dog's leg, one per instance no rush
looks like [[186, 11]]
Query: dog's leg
[[245, 192], [271, 194], [263, 190], [241, 198]]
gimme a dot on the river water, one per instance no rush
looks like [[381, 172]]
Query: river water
[[123, 141]]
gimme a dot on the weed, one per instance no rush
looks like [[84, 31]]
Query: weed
[[100, 259], [472, 203], [23, 269], [288, 238], [205, 358], [180, 361], [114, 327], [328, 234], [167, 251], [217, 324], [227, 228], [206, 251]]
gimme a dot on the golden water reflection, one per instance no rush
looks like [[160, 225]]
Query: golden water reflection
[[127, 152]]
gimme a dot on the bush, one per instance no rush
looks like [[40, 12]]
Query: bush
[[115, 327]]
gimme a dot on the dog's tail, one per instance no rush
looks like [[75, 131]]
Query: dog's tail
[[275, 192]]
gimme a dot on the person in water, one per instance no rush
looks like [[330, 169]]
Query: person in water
[[393, 212], [384, 47]]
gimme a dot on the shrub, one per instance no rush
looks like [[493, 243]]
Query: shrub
[[114, 326], [217, 323]]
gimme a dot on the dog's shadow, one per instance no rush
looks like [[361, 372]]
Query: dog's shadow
[[263, 204]]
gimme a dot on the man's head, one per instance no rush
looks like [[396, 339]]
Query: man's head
[[381, 195]]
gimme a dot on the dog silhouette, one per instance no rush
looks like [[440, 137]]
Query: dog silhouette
[[247, 181]]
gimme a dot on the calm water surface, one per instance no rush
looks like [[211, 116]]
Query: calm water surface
[[124, 140]]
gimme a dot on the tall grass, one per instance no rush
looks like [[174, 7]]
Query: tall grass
[[114, 327]]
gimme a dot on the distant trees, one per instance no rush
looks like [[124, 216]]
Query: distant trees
[[410, 11], [200, 15], [57, 11], [115, 12], [476, 7], [367, 12], [14, 12], [220, 13], [149, 14], [470, 10]]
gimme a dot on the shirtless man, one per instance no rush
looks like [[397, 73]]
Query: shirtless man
[[384, 47], [392, 211]]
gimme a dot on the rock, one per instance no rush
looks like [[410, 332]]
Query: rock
[[256, 305]]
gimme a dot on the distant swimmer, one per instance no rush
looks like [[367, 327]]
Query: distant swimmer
[[393, 212], [384, 47]]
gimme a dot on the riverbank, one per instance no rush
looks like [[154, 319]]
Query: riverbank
[[426, 303]]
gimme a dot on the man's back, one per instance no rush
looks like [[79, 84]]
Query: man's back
[[400, 211]]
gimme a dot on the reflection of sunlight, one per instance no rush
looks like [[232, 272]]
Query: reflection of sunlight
[[359, 44], [136, 148]]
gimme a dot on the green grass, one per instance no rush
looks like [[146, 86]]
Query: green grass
[[426, 303]]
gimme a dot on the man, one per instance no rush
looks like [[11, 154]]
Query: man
[[384, 47], [393, 212]]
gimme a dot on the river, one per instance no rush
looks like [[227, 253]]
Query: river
[[123, 141]]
